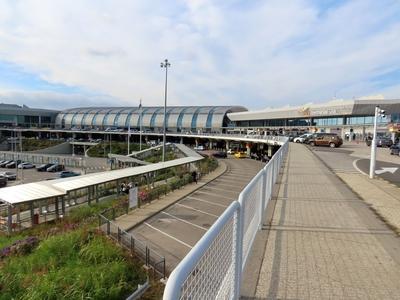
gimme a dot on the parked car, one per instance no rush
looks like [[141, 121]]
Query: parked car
[[199, 148], [4, 163], [230, 151], [326, 139], [26, 165], [381, 141], [44, 167], [65, 174], [12, 164], [395, 149], [302, 138], [55, 168], [3, 181], [9, 175], [220, 154]]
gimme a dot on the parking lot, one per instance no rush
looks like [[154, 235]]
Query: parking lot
[[31, 175], [175, 230]]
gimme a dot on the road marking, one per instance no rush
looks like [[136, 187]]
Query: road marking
[[357, 168], [168, 235], [215, 195], [222, 190], [198, 210], [205, 201], [385, 170], [228, 185], [184, 221]]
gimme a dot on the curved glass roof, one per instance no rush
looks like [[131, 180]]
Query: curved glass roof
[[189, 117]]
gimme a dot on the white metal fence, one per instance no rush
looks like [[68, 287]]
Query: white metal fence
[[211, 269]]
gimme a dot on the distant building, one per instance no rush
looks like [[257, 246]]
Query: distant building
[[23, 116]]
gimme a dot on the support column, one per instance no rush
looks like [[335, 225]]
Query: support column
[[63, 206], [181, 141], [32, 213], [56, 207], [9, 219], [248, 150], [96, 191], [227, 145], [89, 194]]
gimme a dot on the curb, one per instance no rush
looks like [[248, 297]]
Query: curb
[[225, 169]]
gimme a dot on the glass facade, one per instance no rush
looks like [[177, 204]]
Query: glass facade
[[328, 121], [367, 120], [395, 118], [299, 122]]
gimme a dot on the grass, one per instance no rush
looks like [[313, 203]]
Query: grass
[[72, 261], [77, 264], [32, 145], [121, 148]]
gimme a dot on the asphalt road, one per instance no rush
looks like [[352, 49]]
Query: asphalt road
[[340, 160], [382, 169], [174, 231]]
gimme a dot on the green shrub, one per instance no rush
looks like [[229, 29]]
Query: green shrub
[[75, 265]]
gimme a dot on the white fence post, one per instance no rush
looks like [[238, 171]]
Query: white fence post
[[262, 197]]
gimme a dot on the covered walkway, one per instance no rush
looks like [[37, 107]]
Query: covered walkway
[[324, 242]]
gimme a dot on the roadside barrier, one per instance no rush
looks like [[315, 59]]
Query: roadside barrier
[[213, 268], [152, 259]]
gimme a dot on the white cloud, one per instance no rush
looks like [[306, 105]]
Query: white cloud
[[254, 53]]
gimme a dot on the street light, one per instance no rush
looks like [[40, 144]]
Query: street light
[[165, 65], [378, 113]]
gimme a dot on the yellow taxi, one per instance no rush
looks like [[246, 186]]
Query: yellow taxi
[[240, 154]]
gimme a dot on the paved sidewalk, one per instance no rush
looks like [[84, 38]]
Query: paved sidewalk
[[137, 216], [324, 241]]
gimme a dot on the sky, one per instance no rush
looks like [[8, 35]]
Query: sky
[[62, 53]]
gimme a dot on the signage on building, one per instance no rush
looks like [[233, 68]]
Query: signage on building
[[330, 111]]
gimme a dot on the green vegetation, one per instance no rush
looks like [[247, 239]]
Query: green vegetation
[[72, 261], [121, 148], [157, 157], [207, 165], [32, 144]]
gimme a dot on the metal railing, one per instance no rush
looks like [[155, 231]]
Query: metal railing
[[152, 259], [213, 268]]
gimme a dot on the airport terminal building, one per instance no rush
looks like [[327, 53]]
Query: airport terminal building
[[338, 116], [179, 118], [24, 116]]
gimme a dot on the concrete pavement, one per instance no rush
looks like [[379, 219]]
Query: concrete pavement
[[324, 242]]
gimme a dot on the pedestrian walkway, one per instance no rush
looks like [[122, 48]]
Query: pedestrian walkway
[[137, 216], [324, 242]]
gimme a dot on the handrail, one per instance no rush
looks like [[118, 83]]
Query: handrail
[[213, 268]]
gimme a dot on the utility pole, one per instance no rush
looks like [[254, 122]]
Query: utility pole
[[165, 65]]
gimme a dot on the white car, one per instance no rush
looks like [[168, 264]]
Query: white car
[[26, 165], [199, 148], [302, 138]]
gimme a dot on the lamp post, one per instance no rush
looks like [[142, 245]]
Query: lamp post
[[165, 65], [140, 125], [381, 113]]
